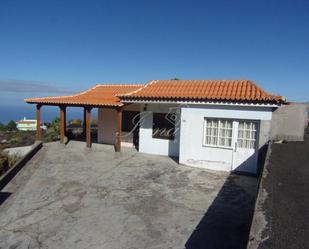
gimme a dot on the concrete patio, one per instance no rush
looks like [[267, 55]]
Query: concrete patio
[[73, 197]]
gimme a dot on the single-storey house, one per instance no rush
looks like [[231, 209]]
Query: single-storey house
[[214, 124], [27, 125]]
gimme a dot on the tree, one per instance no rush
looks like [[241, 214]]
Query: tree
[[11, 126], [56, 124], [2, 127], [47, 124]]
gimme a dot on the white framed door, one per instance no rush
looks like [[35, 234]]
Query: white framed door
[[245, 139]]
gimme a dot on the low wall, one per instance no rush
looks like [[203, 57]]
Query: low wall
[[19, 151], [280, 215], [289, 122], [9, 175]]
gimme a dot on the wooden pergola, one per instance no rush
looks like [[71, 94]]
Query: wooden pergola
[[100, 96]]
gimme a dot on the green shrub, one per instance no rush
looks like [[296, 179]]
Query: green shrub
[[55, 125], [11, 126], [14, 140], [12, 160], [7, 161], [4, 163], [2, 127], [50, 137]]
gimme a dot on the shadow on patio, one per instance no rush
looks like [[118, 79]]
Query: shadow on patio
[[227, 221]]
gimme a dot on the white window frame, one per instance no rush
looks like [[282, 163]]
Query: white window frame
[[250, 139], [218, 137]]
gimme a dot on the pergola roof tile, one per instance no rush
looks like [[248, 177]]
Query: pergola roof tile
[[99, 95]]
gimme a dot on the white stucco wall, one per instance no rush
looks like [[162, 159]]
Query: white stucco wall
[[193, 153], [188, 141], [148, 144], [107, 125]]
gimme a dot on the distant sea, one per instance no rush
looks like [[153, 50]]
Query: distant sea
[[48, 113]]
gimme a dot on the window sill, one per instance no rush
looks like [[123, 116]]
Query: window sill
[[164, 138], [217, 147]]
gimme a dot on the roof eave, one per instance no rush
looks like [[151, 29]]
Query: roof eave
[[272, 103], [120, 104]]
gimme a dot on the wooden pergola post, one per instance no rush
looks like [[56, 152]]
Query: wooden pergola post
[[38, 122], [62, 123], [88, 126], [84, 123], [118, 133]]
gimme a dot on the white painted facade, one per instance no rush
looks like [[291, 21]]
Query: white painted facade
[[28, 125], [107, 126], [194, 152], [148, 144], [188, 143]]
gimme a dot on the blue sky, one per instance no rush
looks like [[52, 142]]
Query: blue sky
[[55, 47]]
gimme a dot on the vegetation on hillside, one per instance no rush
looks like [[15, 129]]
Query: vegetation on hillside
[[11, 126], [11, 137], [7, 161]]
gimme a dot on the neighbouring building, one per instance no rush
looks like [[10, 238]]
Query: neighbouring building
[[289, 122], [214, 124], [27, 125]]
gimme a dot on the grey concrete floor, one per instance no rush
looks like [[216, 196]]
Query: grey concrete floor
[[73, 197]]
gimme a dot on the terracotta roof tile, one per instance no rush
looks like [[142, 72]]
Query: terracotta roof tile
[[26, 122], [208, 90], [173, 90], [100, 95]]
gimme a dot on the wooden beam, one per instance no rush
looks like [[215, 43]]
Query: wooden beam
[[38, 122], [88, 126], [62, 123], [118, 133]]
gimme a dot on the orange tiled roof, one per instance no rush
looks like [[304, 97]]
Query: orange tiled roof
[[26, 122], [213, 90], [99, 95]]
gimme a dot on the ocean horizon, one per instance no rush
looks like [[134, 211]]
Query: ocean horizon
[[48, 113]]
